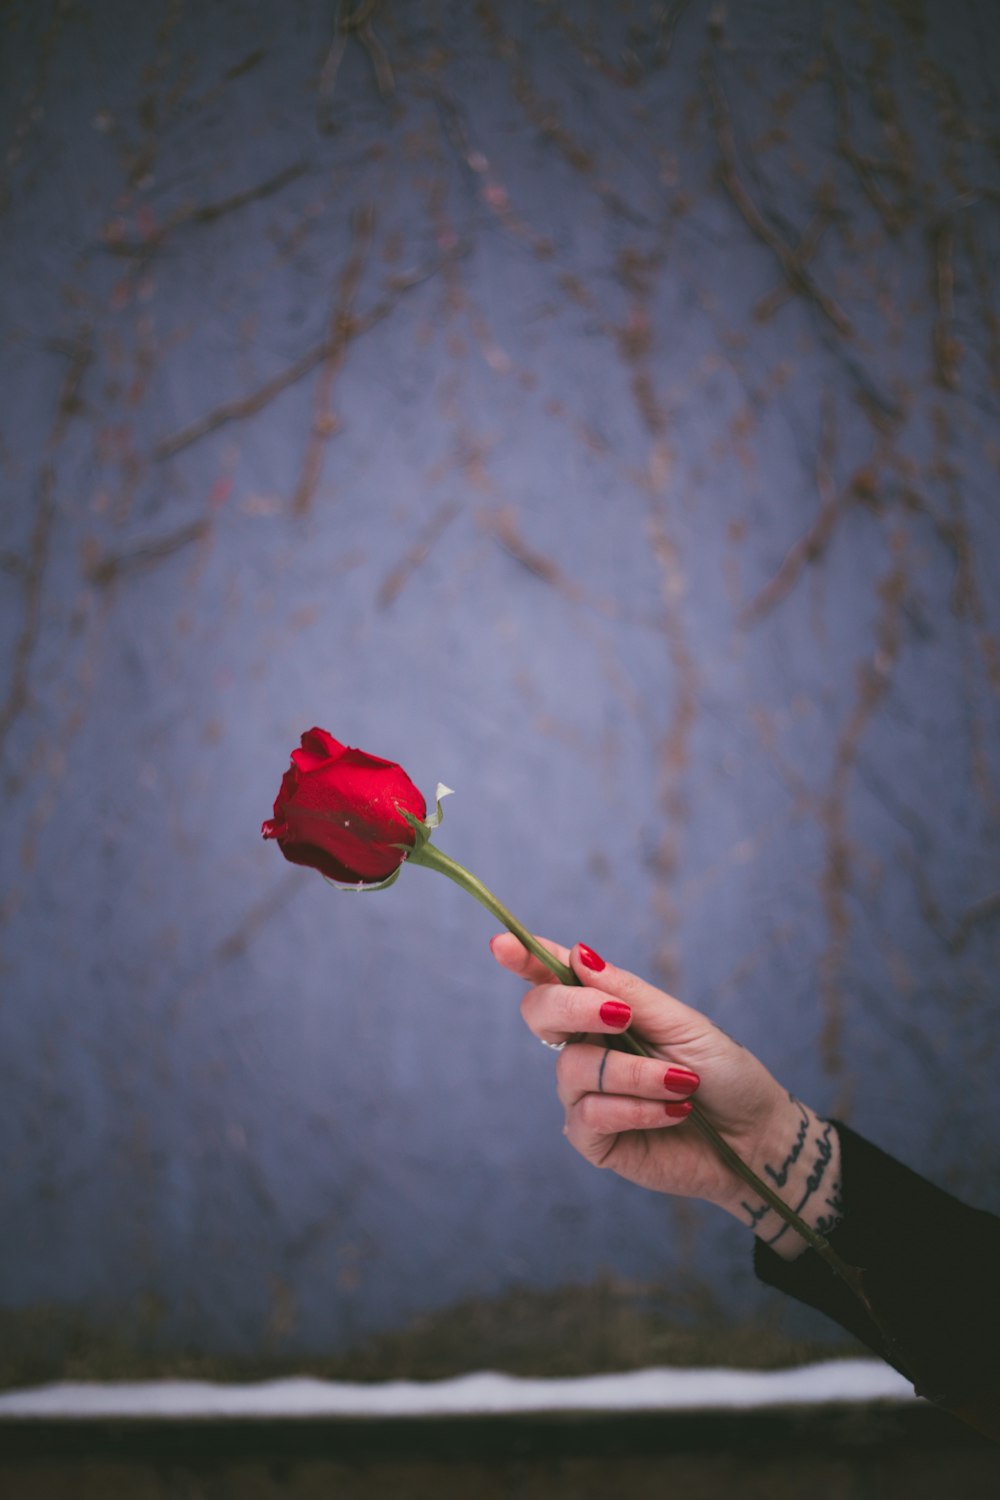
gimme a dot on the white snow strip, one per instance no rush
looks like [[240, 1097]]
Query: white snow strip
[[481, 1394]]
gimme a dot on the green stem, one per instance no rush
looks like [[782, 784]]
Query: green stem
[[432, 858]]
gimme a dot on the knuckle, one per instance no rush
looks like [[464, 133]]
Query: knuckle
[[569, 1005], [575, 1131], [626, 985], [637, 1112], [585, 1111], [635, 1074], [536, 1006]]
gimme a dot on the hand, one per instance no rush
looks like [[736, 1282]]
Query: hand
[[627, 1112]]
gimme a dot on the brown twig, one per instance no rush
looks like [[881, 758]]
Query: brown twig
[[396, 579], [205, 213], [805, 250], [339, 339], [248, 406], [544, 114], [666, 31], [502, 526], [810, 547], [985, 280], [676, 750], [790, 260], [33, 568], [967, 597], [947, 350], [245, 406], [107, 569], [874, 678], [864, 167], [245, 64], [357, 23], [981, 911]]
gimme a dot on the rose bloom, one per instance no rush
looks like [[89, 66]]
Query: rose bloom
[[338, 811]]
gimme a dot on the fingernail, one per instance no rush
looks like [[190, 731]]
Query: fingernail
[[492, 941], [680, 1080], [615, 1013], [677, 1109], [591, 960]]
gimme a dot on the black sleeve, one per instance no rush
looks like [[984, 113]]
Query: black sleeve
[[931, 1270]]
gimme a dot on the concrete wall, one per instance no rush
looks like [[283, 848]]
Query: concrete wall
[[591, 406]]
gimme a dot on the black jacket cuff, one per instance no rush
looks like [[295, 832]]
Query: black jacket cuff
[[931, 1268]]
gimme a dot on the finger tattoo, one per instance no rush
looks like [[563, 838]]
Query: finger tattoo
[[600, 1071]]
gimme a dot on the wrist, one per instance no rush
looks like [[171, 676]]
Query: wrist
[[798, 1157]]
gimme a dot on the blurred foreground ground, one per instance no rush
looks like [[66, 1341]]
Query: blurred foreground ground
[[850, 1454]]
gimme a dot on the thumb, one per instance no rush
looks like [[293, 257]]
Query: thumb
[[512, 954]]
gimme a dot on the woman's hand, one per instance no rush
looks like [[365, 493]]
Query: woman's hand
[[627, 1112]]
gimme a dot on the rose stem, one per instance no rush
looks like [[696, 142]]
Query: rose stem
[[431, 856], [433, 859]]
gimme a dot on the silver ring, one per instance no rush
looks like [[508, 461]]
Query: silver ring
[[577, 1036]]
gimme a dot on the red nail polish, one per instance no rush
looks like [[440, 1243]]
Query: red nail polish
[[616, 1013], [677, 1109], [591, 960], [680, 1080]]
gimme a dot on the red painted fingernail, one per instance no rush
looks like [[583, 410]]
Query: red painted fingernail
[[677, 1109], [591, 960], [615, 1013], [680, 1080]]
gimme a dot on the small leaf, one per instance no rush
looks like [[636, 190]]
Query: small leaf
[[434, 821]]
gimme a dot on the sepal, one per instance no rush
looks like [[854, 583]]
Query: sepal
[[424, 827], [434, 820], [364, 885]]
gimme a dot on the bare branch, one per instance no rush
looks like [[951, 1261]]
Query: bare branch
[[790, 260]]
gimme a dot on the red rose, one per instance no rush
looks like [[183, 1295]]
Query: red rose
[[337, 811]]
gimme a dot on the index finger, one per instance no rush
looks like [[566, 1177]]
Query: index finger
[[513, 955]]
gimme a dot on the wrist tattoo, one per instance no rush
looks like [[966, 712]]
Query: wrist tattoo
[[820, 1197], [824, 1151], [780, 1177], [833, 1201], [755, 1214]]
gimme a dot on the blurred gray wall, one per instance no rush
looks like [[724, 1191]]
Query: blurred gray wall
[[592, 406]]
